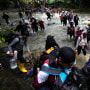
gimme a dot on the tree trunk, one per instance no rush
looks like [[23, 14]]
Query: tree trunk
[[81, 4]]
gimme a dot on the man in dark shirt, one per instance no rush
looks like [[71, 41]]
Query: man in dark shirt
[[20, 28], [17, 44], [34, 24], [6, 17], [76, 18]]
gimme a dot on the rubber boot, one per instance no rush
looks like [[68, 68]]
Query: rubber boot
[[19, 64], [22, 69], [86, 58], [77, 56]]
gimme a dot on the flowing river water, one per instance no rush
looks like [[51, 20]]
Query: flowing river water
[[37, 42], [54, 27]]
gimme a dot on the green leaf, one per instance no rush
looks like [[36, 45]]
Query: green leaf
[[68, 1], [3, 39], [0, 42], [13, 31]]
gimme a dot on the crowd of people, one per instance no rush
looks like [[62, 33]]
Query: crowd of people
[[76, 33], [56, 63]]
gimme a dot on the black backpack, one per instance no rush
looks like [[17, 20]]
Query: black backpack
[[10, 36], [88, 34], [42, 58]]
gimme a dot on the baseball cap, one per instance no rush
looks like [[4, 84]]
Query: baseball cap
[[66, 54]]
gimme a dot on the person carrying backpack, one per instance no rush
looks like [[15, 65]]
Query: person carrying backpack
[[17, 44], [71, 30], [21, 27], [64, 20], [61, 18], [78, 33], [88, 33], [53, 75], [20, 14], [34, 24], [50, 42], [50, 53], [78, 79], [76, 19], [81, 45], [48, 15], [41, 24]]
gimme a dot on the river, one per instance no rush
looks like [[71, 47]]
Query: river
[[54, 27], [11, 79]]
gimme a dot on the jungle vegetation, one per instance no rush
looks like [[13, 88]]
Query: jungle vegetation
[[67, 3]]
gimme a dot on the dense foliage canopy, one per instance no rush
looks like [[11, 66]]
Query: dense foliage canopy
[[73, 3]]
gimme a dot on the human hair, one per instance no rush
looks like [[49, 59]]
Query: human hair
[[85, 34], [50, 39], [20, 22]]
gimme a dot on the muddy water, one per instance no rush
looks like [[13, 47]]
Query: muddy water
[[54, 27]]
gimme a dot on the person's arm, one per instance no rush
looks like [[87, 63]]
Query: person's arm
[[17, 28], [86, 44], [27, 48], [11, 44], [55, 44], [78, 41]]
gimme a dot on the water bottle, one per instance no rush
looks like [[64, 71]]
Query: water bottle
[[15, 54], [8, 52], [13, 63]]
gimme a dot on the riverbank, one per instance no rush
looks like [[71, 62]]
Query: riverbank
[[83, 10]]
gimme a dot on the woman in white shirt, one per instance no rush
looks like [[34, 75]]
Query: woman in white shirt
[[81, 45]]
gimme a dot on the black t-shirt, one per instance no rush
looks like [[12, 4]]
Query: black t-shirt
[[5, 16], [20, 28]]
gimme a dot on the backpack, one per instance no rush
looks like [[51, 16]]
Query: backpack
[[80, 39], [51, 56], [39, 62], [76, 38], [52, 59], [10, 36], [70, 29], [88, 34], [79, 32]]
